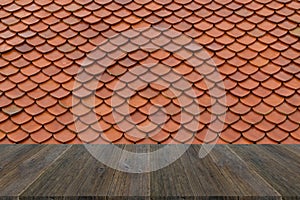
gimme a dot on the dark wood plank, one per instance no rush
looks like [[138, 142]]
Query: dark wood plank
[[131, 185], [57, 179], [227, 172], [192, 174], [12, 155], [23, 164], [76, 173], [277, 165], [95, 178], [204, 176], [212, 176], [169, 182], [246, 181], [295, 148], [206, 179]]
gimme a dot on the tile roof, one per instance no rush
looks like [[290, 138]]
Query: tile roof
[[131, 71]]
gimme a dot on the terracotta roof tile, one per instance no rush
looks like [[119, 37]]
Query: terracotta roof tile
[[289, 125], [18, 136], [64, 136], [31, 126], [43, 46], [40, 136], [296, 134]]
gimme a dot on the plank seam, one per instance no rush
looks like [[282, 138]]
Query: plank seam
[[43, 171], [254, 171]]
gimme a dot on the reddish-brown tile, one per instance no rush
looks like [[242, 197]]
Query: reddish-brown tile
[[265, 126], [24, 101], [60, 93], [18, 136], [240, 109], [251, 100], [294, 100], [267, 140], [273, 100], [147, 126], [290, 140], [277, 135], [205, 136], [111, 135], [230, 135], [27, 85], [160, 100], [11, 109], [80, 109], [137, 101], [2, 136], [86, 136], [284, 91], [37, 93], [252, 117], [241, 126], [40, 136], [8, 126], [49, 86], [148, 93], [14, 93], [31, 126], [68, 118], [159, 136], [239, 92], [103, 109], [289, 126], [271, 84], [296, 134], [134, 135], [64, 136], [257, 59], [286, 109], [294, 117], [44, 118], [54, 127], [7, 85], [46, 101]]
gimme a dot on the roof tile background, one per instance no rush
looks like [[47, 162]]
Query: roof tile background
[[51, 50]]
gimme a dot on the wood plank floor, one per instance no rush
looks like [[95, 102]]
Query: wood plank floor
[[227, 172]]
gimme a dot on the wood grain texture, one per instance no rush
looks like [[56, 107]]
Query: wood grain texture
[[208, 175], [245, 181], [277, 164], [170, 182], [130, 185], [76, 173], [22, 164], [227, 172]]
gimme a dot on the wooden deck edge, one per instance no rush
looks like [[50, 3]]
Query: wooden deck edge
[[151, 198]]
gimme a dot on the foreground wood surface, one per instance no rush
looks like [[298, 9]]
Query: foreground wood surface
[[227, 172]]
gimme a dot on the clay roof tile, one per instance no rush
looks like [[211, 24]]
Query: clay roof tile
[[253, 44]]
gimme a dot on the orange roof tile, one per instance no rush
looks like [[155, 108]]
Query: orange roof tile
[[141, 71]]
